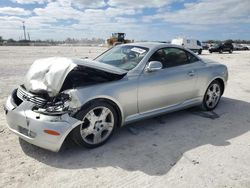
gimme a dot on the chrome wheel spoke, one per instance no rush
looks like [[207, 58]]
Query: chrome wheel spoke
[[108, 126], [86, 132], [214, 88], [105, 112], [97, 137], [91, 117]]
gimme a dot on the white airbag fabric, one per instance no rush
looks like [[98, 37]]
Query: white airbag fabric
[[47, 75]]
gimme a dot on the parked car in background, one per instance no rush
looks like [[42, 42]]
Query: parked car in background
[[88, 99], [191, 44], [205, 46], [238, 47], [246, 46], [222, 47]]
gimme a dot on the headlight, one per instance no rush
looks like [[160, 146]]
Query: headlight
[[58, 106]]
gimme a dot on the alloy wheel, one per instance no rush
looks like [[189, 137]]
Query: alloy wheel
[[213, 95], [97, 125]]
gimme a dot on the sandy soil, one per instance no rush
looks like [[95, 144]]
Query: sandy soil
[[183, 149]]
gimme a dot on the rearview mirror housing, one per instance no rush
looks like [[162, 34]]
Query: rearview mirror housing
[[154, 66]]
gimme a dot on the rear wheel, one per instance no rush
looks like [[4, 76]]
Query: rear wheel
[[199, 52], [230, 51], [212, 96], [220, 51], [99, 122]]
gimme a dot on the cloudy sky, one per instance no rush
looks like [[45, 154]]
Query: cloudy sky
[[140, 19]]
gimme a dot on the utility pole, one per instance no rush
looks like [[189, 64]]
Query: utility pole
[[29, 36], [24, 32]]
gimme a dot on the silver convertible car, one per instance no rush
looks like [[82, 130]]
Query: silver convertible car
[[88, 99]]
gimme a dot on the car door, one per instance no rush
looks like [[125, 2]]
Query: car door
[[173, 84]]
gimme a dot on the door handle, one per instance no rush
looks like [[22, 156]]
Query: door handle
[[191, 73]]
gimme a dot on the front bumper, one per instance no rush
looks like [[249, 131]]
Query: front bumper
[[30, 125]]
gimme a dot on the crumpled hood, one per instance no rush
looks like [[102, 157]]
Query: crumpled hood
[[48, 75]]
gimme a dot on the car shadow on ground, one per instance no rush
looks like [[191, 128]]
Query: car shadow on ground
[[155, 145]]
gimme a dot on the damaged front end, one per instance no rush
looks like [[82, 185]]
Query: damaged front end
[[44, 122], [41, 111], [57, 105]]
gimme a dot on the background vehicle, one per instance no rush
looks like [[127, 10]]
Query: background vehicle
[[118, 38], [88, 99], [222, 47], [246, 46], [192, 44], [238, 47]]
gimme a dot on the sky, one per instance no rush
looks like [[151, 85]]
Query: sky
[[158, 20]]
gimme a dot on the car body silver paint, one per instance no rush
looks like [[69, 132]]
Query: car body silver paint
[[138, 95]]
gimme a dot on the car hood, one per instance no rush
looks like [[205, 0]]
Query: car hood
[[48, 75]]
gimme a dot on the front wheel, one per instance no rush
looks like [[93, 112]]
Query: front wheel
[[230, 51], [212, 96], [99, 122], [199, 52]]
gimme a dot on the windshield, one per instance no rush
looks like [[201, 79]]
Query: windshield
[[217, 45], [124, 57]]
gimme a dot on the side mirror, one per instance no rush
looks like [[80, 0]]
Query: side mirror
[[154, 66]]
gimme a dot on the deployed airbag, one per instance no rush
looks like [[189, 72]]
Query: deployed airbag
[[47, 75]]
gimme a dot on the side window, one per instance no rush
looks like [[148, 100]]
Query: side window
[[192, 58], [175, 57], [170, 57]]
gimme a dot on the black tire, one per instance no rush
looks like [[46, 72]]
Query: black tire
[[199, 52], [220, 51], [205, 102], [230, 51], [210, 52], [76, 133]]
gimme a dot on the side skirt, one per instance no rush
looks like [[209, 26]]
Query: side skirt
[[172, 108]]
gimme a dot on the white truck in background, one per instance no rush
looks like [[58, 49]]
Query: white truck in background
[[192, 44]]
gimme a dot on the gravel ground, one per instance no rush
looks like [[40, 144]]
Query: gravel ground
[[189, 148]]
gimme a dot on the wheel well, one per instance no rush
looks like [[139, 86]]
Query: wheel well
[[112, 103], [221, 83]]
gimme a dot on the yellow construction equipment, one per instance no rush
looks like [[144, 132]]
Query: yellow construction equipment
[[118, 38]]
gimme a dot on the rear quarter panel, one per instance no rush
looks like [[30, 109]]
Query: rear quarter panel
[[208, 72]]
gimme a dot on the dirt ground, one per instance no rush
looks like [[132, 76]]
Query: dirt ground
[[182, 149]]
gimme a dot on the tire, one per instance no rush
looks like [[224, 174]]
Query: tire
[[199, 52], [100, 120], [212, 96], [210, 52], [230, 51], [220, 51]]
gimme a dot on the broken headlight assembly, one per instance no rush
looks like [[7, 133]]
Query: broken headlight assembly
[[56, 106]]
